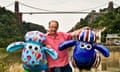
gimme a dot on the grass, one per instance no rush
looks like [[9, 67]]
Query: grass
[[8, 59], [11, 62]]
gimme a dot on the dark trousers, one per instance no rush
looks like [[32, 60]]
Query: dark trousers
[[66, 68]]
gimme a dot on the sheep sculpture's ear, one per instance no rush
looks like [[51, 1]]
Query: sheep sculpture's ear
[[103, 50], [67, 44], [50, 52], [15, 46]]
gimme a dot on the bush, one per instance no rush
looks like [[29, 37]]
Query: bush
[[5, 42]]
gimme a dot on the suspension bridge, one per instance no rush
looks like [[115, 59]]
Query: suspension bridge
[[46, 11]]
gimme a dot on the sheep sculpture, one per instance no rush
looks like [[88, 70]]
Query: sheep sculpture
[[34, 51], [85, 50]]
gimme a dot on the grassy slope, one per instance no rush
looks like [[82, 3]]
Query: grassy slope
[[6, 59]]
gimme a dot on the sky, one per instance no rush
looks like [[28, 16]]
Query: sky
[[66, 21]]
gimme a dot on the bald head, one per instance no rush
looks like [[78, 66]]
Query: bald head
[[53, 26], [54, 22]]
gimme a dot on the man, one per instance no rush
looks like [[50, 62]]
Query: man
[[53, 40]]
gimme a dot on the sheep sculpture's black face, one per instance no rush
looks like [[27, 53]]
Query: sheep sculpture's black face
[[84, 53]]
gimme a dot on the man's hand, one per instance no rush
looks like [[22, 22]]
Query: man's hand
[[48, 46]]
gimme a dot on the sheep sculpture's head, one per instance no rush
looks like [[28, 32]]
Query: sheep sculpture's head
[[33, 54], [84, 54]]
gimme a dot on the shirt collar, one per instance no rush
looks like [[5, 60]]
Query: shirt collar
[[51, 35]]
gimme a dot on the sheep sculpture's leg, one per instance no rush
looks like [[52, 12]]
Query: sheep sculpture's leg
[[26, 71], [73, 65], [80, 70], [34, 71]]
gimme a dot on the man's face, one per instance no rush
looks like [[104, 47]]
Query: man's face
[[53, 26]]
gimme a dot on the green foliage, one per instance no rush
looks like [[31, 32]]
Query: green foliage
[[110, 20], [30, 27], [11, 31]]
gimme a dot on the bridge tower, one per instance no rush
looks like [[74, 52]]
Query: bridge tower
[[110, 6], [18, 14]]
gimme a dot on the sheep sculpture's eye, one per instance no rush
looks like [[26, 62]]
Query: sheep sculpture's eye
[[82, 45], [88, 46], [30, 47], [36, 48]]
